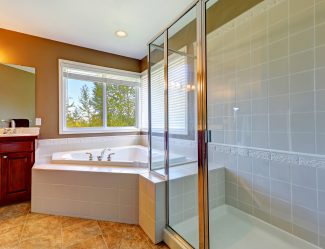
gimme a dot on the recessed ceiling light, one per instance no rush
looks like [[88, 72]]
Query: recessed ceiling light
[[121, 33]]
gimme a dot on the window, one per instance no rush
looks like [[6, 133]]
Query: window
[[177, 96], [144, 100], [97, 99]]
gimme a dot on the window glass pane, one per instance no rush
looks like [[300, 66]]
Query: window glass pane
[[178, 88], [144, 100], [84, 104], [157, 96], [96, 98], [121, 105]]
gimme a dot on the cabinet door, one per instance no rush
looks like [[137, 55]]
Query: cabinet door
[[16, 177]]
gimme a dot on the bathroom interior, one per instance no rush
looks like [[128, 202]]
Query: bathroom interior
[[162, 124]]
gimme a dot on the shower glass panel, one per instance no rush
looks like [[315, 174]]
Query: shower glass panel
[[157, 100], [265, 109], [182, 142]]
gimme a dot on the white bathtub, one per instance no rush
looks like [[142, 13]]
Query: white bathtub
[[126, 156]]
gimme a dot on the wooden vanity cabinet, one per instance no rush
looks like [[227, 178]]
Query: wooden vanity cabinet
[[17, 157]]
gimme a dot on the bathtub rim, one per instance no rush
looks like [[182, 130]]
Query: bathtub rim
[[56, 158]]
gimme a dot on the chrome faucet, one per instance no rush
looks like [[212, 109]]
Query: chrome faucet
[[109, 156], [3, 123], [102, 153], [7, 129], [13, 124]]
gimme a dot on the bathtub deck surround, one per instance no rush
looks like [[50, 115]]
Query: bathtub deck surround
[[118, 194], [19, 228], [152, 211], [101, 190]]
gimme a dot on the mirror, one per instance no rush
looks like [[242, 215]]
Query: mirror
[[17, 94]]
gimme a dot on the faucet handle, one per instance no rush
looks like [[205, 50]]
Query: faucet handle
[[90, 156]]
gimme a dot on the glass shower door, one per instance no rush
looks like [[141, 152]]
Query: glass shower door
[[182, 141]]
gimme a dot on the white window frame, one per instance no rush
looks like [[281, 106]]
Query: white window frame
[[84, 130]]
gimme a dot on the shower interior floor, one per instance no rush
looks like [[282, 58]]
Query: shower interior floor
[[231, 228]]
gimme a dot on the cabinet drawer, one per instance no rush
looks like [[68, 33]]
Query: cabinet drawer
[[7, 147]]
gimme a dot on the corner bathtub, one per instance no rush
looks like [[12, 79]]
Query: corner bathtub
[[126, 156]]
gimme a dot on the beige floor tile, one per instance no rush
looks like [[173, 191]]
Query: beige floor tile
[[109, 227], [24, 230], [96, 242], [9, 239], [69, 221], [8, 223], [49, 241], [38, 225], [79, 231], [112, 241], [134, 244], [12, 211]]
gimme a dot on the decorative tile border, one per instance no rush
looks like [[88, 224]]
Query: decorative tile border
[[312, 161], [259, 154], [287, 157]]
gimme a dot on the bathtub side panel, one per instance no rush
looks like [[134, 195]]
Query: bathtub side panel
[[101, 196]]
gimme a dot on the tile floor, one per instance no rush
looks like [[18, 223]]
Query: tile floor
[[19, 228]]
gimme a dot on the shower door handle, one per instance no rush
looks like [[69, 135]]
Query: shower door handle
[[208, 136]]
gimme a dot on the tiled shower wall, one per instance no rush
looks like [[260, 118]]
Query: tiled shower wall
[[266, 110], [269, 65], [183, 191]]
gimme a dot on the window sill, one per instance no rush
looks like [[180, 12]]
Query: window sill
[[99, 131]]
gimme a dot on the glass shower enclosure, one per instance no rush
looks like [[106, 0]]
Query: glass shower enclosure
[[237, 117]]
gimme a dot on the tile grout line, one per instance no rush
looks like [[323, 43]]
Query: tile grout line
[[315, 127], [290, 115], [23, 228], [251, 113], [61, 230], [101, 234], [268, 107]]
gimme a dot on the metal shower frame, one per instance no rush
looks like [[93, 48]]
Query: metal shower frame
[[202, 132]]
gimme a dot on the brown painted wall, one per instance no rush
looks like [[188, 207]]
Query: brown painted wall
[[143, 64], [43, 54]]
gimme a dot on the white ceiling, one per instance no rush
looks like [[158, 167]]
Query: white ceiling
[[92, 23]]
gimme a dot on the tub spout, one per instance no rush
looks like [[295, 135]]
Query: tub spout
[[103, 153]]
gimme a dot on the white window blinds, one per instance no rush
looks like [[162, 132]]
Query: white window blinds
[[177, 95], [144, 100], [157, 98], [77, 71]]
